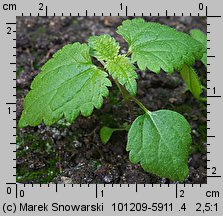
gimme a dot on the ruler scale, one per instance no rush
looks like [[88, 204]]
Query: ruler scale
[[111, 199]]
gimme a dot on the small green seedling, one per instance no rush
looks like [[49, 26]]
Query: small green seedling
[[70, 84]]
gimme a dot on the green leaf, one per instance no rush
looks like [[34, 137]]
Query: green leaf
[[160, 142], [103, 47], [69, 84], [155, 46], [106, 133], [201, 37], [123, 70], [191, 79]]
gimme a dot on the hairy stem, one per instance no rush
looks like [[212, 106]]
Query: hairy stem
[[103, 63], [128, 97], [140, 105], [129, 53], [123, 91]]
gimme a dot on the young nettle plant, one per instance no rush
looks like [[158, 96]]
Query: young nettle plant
[[70, 84]]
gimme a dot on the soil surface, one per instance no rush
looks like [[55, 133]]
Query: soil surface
[[74, 153]]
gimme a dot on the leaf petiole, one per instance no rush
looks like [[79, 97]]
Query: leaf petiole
[[103, 63], [129, 53], [127, 97], [141, 105]]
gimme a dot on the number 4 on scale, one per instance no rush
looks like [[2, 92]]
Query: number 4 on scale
[[183, 207]]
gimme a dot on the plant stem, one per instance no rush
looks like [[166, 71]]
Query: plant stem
[[122, 90], [140, 105], [103, 63], [120, 129], [129, 53], [127, 97]]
